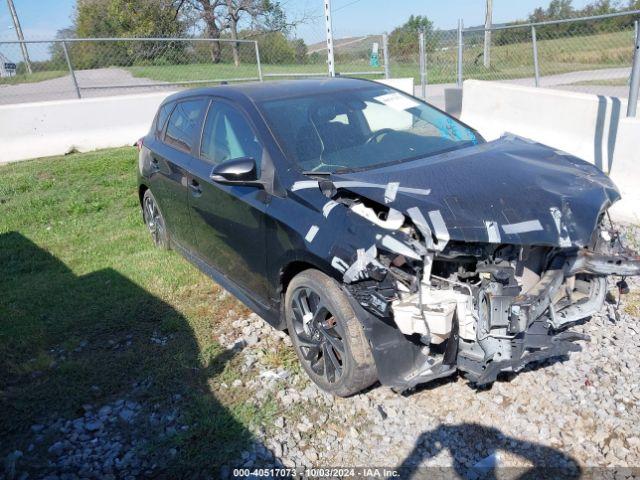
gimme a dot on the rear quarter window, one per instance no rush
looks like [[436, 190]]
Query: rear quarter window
[[184, 124], [161, 118]]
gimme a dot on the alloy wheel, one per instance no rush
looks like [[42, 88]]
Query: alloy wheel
[[153, 219], [316, 331]]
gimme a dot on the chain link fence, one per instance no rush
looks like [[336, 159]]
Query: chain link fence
[[592, 55], [100, 67]]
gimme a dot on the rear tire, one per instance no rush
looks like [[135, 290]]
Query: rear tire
[[328, 338], [154, 220]]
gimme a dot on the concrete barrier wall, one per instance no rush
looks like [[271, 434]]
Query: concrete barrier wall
[[625, 171], [578, 123], [590, 127], [43, 129]]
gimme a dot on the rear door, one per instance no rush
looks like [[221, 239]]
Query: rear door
[[228, 220], [171, 158]]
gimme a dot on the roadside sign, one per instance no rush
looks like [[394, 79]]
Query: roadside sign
[[374, 60]]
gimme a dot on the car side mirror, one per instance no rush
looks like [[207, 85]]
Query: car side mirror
[[239, 171]]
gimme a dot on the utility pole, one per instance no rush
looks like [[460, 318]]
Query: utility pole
[[16, 25], [488, 21], [327, 19]]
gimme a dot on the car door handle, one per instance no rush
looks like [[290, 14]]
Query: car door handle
[[194, 186]]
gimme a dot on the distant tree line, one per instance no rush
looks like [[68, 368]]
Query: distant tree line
[[403, 40], [562, 9]]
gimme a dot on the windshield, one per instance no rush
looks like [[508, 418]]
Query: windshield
[[361, 129]]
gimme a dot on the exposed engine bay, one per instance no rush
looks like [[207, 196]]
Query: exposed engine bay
[[481, 308]]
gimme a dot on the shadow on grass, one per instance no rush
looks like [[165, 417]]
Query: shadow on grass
[[475, 452], [70, 345]]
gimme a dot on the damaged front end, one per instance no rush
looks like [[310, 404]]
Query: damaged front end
[[431, 305]]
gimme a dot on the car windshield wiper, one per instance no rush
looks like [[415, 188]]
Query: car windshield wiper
[[312, 173]]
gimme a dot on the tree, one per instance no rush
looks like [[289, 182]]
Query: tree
[[133, 18], [276, 48], [123, 18], [215, 23], [301, 51], [220, 16], [264, 15], [403, 40], [559, 9]]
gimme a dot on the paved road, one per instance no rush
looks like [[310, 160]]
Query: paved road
[[62, 88]]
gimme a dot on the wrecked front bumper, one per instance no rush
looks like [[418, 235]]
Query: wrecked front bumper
[[509, 330]]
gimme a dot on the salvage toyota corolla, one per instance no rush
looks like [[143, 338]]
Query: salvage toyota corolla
[[391, 240]]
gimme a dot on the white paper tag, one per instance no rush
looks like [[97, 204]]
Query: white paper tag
[[397, 101]]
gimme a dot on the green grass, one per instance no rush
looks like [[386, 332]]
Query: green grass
[[76, 264], [34, 77]]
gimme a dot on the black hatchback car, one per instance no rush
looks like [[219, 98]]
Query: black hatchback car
[[388, 238]]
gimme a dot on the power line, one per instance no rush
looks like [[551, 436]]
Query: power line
[[336, 9], [346, 5]]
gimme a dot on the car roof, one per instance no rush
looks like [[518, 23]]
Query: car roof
[[271, 90]]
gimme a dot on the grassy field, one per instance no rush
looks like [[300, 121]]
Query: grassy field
[[34, 77], [83, 295]]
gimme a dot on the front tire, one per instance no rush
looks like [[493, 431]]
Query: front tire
[[155, 221], [328, 338]]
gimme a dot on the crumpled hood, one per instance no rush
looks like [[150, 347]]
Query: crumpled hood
[[508, 191]]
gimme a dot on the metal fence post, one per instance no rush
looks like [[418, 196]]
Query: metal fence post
[[258, 61], [423, 69], [385, 52], [71, 71], [329, 27], [634, 91], [488, 21], [536, 65], [460, 52]]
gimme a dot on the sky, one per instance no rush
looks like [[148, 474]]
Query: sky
[[41, 19]]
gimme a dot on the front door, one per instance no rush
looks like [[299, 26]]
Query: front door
[[228, 220], [172, 156]]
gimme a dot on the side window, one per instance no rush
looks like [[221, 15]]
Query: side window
[[227, 136], [161, 119], [183, 124]]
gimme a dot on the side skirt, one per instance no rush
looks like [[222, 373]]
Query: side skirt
[[271, 315]]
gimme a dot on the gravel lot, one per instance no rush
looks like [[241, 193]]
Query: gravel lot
[[575, 414]]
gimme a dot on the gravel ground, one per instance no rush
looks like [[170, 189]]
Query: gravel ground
[[578, 414]]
